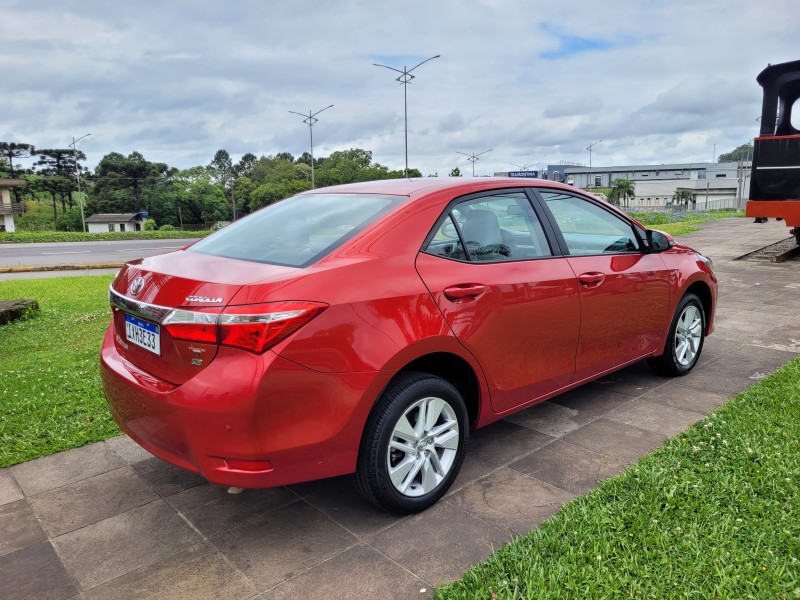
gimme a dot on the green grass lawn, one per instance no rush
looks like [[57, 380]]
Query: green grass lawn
[[715, 513], [50, 393], [679, 222]]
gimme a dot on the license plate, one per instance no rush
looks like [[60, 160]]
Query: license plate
[[143, 334]]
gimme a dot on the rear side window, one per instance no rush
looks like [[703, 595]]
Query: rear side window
[[495, 228], [299, 230]]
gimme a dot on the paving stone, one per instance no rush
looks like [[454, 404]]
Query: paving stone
[[619, 440], [90, 500], [9, 490], [680, 395], [785, 336], [510, 500], [35, 573], [164, 478], [339, 499], [634, 380], [53, 471], [211, 509], [569, 467], [752, 362], [715, 381], [118, 545], [475, 466], [548, 417], [304, 536], [657, 417], [18, 527], [197, 572], [744, 324], [359, 572], [591, 401], [502, 441], [127, 449], [439, 544]]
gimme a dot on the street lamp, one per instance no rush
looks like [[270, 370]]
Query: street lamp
[[473, 158], [404, 79], [589, 148], [309, 120], [78, 174], [524, 167]]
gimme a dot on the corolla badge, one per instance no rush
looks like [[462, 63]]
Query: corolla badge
[[136, 286], [203, 299]]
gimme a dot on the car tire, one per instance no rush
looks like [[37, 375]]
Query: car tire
[[413, 444], [685, 341]]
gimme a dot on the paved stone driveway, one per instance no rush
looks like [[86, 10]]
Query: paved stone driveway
[[110, 521]]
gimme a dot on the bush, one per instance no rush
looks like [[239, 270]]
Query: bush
[[149, 225], [166, 227]]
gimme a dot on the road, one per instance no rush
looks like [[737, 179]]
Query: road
[[20, 255]]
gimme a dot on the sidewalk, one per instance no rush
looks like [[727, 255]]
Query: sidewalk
[[109, 521]]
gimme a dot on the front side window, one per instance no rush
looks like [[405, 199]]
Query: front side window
[[297, 231], [587, 228], [496, 228]]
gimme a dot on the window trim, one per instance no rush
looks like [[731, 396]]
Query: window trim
[[555, 250]]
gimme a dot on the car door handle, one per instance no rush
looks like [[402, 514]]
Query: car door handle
[[464, 291], [591, 279]]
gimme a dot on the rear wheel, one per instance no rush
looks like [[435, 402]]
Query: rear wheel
[[685, 341], [413, 444]]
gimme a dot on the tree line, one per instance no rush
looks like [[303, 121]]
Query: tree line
[[222, 190]]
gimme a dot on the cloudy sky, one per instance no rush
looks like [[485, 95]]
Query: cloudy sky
[[535, 82]]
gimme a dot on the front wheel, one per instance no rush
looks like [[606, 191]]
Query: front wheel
[[413, 444], [685, 341]]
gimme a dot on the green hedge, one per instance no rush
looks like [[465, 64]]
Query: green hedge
[[28, 237]]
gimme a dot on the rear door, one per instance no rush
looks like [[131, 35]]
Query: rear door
[[508, 299], [624, 291]]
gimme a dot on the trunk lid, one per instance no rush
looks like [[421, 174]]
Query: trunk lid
[[146, 291]]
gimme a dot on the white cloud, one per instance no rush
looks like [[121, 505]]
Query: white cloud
[[657, 81]]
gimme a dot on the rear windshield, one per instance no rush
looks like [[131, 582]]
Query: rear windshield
[[297, 231]]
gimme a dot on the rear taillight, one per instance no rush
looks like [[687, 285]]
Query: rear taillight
[[193, 325], [257, 327], [253, 327]]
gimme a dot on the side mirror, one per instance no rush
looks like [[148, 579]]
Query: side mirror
[[658, 241]]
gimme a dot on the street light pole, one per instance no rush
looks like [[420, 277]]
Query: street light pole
[[473, 158], [589, 148], [78, 175], [404, 79], [309, 120]]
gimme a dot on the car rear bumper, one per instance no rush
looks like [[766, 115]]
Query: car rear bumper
[[246, 420]]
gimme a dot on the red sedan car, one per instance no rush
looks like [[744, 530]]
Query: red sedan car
[[367, 328]]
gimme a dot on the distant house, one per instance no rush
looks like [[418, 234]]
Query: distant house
[[105, 222], [7, 208]]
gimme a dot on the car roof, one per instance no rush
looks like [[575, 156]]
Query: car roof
[[424, 185]]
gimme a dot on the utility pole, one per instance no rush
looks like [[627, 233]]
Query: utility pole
[[78, 175]]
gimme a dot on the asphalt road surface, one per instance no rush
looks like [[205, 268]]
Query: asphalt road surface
[[21, 255]]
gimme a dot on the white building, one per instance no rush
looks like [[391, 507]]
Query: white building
[[105, 222], [7, 208], [713, 185]]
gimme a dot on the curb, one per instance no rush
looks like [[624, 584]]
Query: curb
[[71, 267]]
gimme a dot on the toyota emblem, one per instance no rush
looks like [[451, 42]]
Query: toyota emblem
[[137, 286]]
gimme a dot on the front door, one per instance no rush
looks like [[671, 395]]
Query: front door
[[624, 291]]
